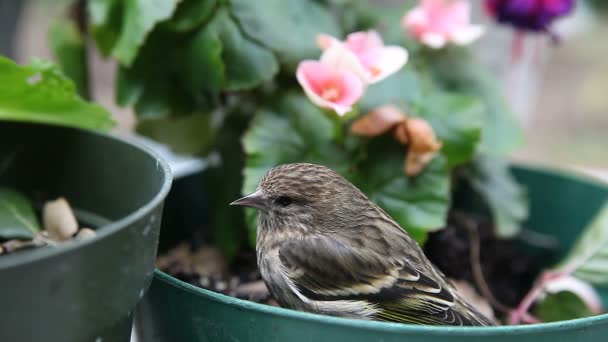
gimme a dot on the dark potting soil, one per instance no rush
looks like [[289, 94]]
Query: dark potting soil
[[508, 273]]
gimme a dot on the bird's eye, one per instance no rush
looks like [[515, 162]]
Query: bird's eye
[[283, 201]]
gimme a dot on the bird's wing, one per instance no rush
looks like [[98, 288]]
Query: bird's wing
[[326, 269]]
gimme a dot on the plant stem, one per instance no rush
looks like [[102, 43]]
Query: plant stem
[[338, 127], [521, 312]]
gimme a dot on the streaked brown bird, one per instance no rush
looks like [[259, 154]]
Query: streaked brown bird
[[324, 247]]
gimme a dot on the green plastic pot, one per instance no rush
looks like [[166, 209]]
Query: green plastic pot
[[173, 310], [81, 290]]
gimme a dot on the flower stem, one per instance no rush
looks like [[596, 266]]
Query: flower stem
[[338, 129]]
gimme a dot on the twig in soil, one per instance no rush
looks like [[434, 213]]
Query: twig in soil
[[515, 315], [476, 267], [15, 245]]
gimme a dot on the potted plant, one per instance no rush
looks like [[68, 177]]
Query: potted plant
[[391, 98], [75, 284]]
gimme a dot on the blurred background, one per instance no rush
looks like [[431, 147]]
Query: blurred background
[[558, 89]]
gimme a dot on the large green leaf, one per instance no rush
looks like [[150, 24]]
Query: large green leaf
[[247, 63], [70, 50], [588, 259], [296, 131], [191, 13], [202, 70], [154, 91], [561, 306], [491, 179], [288, 27], [41, 93], [221, 58], [105, 22], [139, 18], [17, 217], [457, 121], [457, 71], [400, 89], [191, 134], [419, 204]]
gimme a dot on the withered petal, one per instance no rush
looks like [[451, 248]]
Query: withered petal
[[378, 121]]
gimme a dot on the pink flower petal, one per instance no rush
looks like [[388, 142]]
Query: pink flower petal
[[359, 42], [369, 62], [340, 58], [390, 60], [467, 35], [416, 21], [329, 87], [325, 41], [438, 22], [351, 88], [433, 40]]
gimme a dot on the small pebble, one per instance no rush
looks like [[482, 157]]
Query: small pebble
[[85, 233], [59, 220], [221, 286], [234, 282], [204, 281]]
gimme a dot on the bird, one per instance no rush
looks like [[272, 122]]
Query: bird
[[323, 247]]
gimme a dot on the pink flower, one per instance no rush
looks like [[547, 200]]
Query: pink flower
[[371, 59], [329, 86], [438, 22]]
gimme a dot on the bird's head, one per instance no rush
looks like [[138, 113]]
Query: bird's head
[[302, 194]]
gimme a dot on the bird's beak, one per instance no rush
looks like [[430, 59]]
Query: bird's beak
[[254, 200]]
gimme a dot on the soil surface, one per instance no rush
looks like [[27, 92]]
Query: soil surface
[[508, 273]]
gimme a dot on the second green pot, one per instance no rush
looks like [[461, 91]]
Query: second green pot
[[80, 290]]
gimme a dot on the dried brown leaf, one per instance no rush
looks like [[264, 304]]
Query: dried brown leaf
[[378, 121]]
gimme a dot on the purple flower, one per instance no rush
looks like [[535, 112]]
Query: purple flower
[[532, 15]]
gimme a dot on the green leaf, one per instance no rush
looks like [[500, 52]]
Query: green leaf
[[70, 50], [457, 121], [296, 131], [247, 63], [457, 71], [202, 69], [154, 91], [17, 217], [288, 27], [220, 57], [419, 204], [191, 13], [190, 134], [588, 259], [139, 18], [41, 93], [561, 306], [491, 179], [105, 22], [400, 89]]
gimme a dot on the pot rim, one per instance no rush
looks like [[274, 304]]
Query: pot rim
[[103, 232], [578, 323], [376, 325]]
